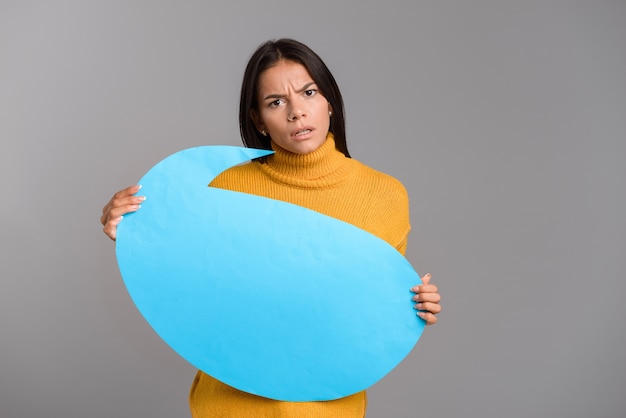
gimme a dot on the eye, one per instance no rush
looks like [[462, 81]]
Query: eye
[[276, 103], [310, 92]]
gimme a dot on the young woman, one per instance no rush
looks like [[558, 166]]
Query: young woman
[[290, 103]]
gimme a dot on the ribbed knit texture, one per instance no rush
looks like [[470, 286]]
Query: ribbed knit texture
[[327, 182]]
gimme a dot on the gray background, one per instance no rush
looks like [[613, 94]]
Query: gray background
[[505, 120]]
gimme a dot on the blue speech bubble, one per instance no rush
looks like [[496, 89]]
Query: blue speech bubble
[[268, 297]]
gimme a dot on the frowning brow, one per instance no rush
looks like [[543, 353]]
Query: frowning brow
[[278, 96]]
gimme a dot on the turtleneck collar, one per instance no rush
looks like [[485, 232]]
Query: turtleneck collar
[[323, 167]]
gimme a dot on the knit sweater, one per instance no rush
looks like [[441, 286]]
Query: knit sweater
[[327, 182]]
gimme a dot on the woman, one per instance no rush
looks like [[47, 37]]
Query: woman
[[291, 103]]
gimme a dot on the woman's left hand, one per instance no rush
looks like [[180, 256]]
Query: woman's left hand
[[427, 300]]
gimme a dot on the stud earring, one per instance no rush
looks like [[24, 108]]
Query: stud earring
[[263, 132], [330, 113]]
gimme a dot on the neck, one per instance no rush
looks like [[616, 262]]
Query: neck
[[326, 165]]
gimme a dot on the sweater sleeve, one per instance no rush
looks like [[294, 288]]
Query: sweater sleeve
[[401, 247]]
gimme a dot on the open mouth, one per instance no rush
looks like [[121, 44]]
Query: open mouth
[[303, 132]]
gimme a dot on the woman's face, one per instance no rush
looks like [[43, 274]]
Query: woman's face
[[292, 111]]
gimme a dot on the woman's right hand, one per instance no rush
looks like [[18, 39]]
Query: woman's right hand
[[121, 203]]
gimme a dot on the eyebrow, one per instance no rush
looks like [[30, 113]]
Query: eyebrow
[[278, 96]]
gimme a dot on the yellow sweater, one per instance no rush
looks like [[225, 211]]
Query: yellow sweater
[[327, 182]]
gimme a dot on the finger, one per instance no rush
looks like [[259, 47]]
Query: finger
[[105, 213], [426, 288], [123, 197], [428, 317], [123, 210], [120, 207], [118, 211], [434, 308], [110, 228], [427, 297], [129, 191], [425, 280]]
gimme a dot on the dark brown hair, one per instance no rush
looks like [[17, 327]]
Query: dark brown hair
[[266, 56]]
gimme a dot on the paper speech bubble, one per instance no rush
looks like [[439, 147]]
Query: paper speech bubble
[[268, 297]]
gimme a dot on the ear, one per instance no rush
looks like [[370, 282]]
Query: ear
[[256, 118], [330, 107]]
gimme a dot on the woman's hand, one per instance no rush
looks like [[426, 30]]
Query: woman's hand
[[120, 204], [427, 298]]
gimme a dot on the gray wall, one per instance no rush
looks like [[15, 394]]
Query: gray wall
[[505, 120]]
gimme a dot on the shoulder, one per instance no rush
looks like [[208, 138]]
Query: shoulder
[[234, 177], [386, 205], [377, 181]]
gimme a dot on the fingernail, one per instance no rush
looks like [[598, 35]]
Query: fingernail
[[140, 186], [415, 298], [418, 306], [421, 314], [142, 198]]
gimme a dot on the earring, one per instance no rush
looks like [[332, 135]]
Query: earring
[[263, 132], [330, 113]]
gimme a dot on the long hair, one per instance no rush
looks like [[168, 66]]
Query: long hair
[[266, 56]]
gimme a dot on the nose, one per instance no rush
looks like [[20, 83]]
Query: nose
[[295, 113]]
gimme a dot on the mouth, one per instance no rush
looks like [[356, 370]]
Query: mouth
[[302, 132]]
